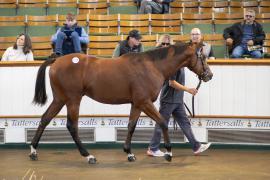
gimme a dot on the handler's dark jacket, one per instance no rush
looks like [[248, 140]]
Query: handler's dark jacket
[[236, 33], [125, 48]]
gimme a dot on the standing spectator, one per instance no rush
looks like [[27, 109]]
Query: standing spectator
[[131, 44], [69, 38], [20, 51], [243, 36], [154, 6], [196, 37], [171, 103]]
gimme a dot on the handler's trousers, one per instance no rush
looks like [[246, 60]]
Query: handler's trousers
[[180, 116]]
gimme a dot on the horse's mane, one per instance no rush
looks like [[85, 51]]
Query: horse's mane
[[161, 53]]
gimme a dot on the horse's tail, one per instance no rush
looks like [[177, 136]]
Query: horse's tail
[[40, 88]]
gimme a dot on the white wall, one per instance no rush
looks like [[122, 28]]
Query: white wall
[[234, 90]]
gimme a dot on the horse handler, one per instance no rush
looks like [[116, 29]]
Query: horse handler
[[171, 102]]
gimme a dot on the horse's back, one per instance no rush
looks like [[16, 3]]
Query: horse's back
[[112, 81], [98, 78], [85, 66], [109, 80]]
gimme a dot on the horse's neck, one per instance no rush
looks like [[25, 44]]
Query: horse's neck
[[169, 66]]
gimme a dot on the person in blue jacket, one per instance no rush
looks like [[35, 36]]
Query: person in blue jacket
[[69, 38]]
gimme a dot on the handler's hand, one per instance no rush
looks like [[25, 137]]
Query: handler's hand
[[192, 91]]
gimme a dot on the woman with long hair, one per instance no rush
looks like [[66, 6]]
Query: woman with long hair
[[20, 51]]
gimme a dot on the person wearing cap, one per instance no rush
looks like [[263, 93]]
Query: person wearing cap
[[131, 44], [196, 37], [154, 6], [172, 103], [69, 38]]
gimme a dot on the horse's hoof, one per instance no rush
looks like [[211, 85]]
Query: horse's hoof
[[131, 158], [33, 156], [168, 157], [92, 161]]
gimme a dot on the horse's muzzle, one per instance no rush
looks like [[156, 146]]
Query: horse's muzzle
[[206, 76]]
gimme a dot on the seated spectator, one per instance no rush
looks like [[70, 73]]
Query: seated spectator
[[154, 6], [69, 38], [131, 44], [196, 37], [244, 37], [20, 51], [164, 41]]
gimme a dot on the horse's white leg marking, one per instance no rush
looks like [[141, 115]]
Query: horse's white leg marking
[[90, 157], [33, 150], [131, 155], [169, 153]]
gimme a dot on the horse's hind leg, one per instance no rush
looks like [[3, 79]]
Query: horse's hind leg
[[149, 109], [72, 126], [133, 118], [46, 118]]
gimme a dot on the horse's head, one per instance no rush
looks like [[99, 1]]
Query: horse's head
[[198, 63]]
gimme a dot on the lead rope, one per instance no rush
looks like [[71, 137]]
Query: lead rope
[[198, 86], [193, 97]]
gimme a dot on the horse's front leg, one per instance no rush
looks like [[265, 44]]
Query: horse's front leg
[[133, 118], [149, 109]]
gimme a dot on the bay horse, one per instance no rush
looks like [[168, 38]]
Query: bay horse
[[135, 78]]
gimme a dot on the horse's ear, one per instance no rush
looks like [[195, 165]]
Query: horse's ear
[[193, 45], [197, 46], [200, 44], [190, 43], [171, 51]]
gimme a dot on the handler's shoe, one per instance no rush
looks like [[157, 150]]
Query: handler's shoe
[[202, 148], [157, 153]]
